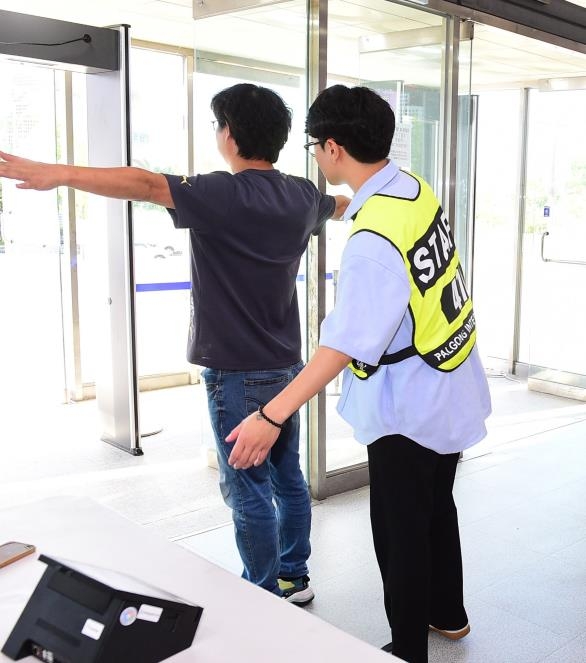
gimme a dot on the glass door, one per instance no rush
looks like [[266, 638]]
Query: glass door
[[401, 52], [529, 181], [555, 234], [160, 80], [265, 45]]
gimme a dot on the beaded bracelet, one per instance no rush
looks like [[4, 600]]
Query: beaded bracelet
[[261, 415]]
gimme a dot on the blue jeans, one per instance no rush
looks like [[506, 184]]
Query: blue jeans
[[271, 507]]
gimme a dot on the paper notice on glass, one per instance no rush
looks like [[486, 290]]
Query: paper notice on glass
[[401, 146]]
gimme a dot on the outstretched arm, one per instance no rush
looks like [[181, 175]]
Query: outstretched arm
[[254, 437], [126, 183], [342, 203]]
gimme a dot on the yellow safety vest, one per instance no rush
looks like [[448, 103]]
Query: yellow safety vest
[[444, 329]]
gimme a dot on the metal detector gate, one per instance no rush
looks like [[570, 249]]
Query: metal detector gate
[[102, 53]]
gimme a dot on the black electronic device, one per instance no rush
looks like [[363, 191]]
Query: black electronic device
[[72, 618]]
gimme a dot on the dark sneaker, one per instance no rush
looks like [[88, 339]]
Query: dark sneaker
[[452, 635], [296, 590]]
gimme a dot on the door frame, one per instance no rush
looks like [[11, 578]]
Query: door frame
[[324, 483]]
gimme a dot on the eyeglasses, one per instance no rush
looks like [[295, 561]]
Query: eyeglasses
[[310, 147]]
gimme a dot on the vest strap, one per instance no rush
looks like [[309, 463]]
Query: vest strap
[[363, 371], [398, 356]]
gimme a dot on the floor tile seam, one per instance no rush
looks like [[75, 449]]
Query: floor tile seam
[[568, 509], [489, 481], [517, 436], [520, 499], [459, 500], [112, 474], [322, 583], [529, 436], [504, 577], [499, 456], [348, 508], [524, 449], [547, 431], [182, 537], [566, 644], [172, 519], [557, 557], [517, 494], [579, 481], [582, 531], [516, 616], [467, 466], [319, 580], [520, 550], [538, 415], [567, 635], [517, 501], [506, 540]]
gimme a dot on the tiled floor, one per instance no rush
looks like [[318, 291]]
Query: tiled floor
[[521, 495]]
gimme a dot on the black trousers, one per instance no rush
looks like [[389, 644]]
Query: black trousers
[[416, 540]]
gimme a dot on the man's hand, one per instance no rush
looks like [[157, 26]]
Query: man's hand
[[254, 436], [253, 439], [33, 174]]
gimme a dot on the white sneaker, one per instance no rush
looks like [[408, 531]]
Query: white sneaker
[[296, 590]]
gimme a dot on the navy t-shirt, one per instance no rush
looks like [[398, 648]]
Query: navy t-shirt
[[248, 232]]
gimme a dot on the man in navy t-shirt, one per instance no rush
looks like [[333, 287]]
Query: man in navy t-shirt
[[248, 231]]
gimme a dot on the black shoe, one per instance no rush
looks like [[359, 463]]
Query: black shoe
[[388, 648], [455, 634]]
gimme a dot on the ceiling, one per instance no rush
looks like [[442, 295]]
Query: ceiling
[[165, 21], [276, 33]]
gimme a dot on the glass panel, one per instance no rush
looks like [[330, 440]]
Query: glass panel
[[89, 256], [410, 78], [266, 46], [31, 335], [31, 238], [161, 253], [505, 64], [465, 159], [555, 238], [497, 208]]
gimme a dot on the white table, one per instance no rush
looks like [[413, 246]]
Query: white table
[[240, 622]]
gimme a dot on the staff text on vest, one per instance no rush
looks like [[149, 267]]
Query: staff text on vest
[[431, 254]]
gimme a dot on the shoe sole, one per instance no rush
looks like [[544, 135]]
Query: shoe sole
[[452, 635], [301, 598]]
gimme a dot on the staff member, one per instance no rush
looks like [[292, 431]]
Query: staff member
[[414, 388]]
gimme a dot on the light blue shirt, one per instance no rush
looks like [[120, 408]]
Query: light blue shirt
[[443, 411]]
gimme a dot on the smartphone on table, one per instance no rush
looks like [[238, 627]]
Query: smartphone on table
[[13, 551]]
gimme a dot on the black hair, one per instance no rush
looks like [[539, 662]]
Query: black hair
[[258, 118], [357, 118]]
